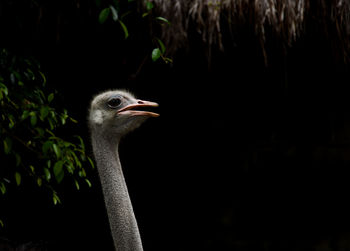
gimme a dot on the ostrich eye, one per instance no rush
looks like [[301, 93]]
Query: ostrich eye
[[114, 102]]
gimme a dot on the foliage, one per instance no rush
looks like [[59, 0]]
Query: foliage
[[30, 149], [118, 14]]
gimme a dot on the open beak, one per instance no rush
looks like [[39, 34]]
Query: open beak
[[130, 109]]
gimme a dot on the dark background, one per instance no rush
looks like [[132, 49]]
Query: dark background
[[245, 155]]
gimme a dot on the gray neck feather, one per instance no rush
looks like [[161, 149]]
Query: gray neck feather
[[121, 216]]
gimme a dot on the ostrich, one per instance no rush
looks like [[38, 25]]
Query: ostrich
[[112, 115]]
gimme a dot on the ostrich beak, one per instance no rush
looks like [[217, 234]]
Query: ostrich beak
[[129, 109]]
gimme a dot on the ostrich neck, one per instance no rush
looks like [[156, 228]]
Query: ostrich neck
[[121, 216]]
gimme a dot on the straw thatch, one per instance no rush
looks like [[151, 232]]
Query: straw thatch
[[285, 19]]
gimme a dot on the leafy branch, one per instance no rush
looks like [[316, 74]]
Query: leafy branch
[[31, 148], [118, 14]]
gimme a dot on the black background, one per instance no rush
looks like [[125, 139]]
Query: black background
[[245, 156]]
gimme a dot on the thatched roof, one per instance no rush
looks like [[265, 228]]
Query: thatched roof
[[285, 19]]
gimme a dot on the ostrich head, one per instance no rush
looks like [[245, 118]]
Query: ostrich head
[[118, 112]]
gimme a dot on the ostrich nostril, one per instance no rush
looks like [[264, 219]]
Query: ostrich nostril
[[140, 102]]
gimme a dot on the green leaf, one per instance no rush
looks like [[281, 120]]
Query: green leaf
[[88, 182], [50, 97], [82, 173], [114, 13], [77, 161], [55, 198], [32, 169], [63, 119], [73, 120], [163, 20], [44, 111], [25, 115], [145, 14], [104, 15], [47, 174], [18, 159], [46, 146], [156, 54], [51, 123], [126, 32], [83, 157], [70, 167], [149, 5], [82, 145], [33, 118], [162, 46], [58, 171], [57, 150], [12, 123], [7, 145], [67, 145], [43, 76], [2, 188], [39, 181], [4, 89], [91, 162], [53, 115], [18, 178], [77, 184]]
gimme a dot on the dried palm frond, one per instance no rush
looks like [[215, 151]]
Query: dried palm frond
[[284, 18]]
